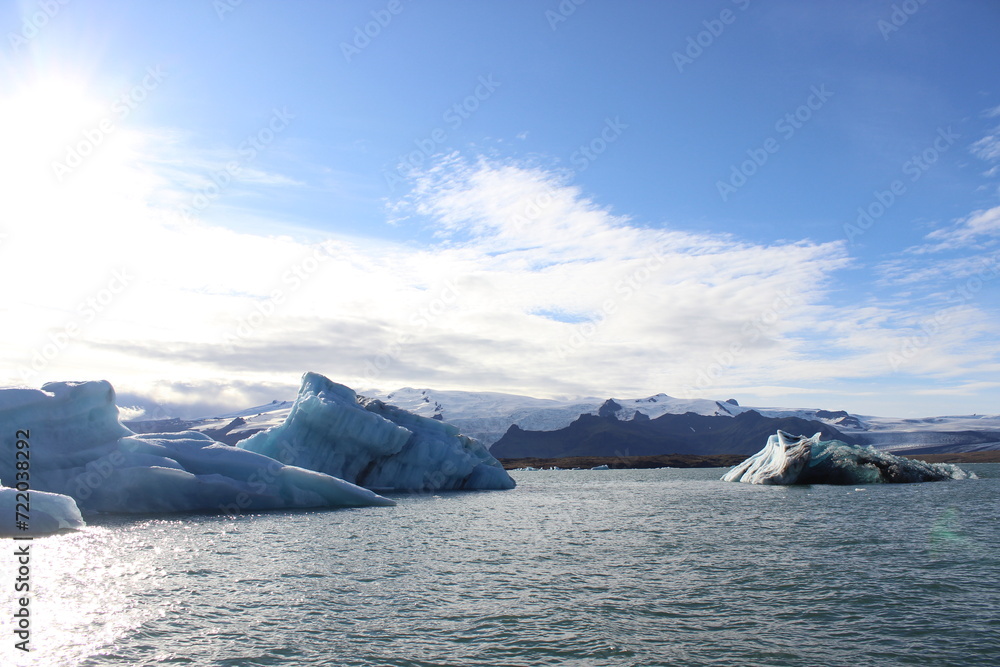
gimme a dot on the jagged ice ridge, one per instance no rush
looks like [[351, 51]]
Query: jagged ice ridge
[[791, 459], [375, 445]]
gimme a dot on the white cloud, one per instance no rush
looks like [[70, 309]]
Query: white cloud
[[988, 148], [980, 228], [968, 389], [105, 279]]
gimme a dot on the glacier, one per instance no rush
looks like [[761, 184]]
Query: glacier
[[375, 445], [791, 459], [79, 448]]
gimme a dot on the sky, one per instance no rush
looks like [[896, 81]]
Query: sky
[[787, 203]]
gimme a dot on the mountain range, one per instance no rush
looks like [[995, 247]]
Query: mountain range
[[515, 426]]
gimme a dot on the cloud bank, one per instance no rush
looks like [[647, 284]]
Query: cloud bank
[[505, 277]]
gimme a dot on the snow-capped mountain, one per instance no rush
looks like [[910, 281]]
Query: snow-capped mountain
[[487, 416]]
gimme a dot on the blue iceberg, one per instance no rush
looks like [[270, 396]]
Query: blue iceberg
[[378, 446], [792, 459], [79, 448]]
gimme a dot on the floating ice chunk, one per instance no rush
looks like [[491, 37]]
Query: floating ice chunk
[[790, 459], [47, 513], [603, 466], [780, 462], [80, 449], [376, 445]]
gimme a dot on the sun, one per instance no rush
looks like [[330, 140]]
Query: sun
[[71, 173], [40, 123], [67, 144]]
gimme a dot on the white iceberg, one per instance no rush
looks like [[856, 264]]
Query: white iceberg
[[792, 459], [46, 513], [376, 445], [79, 448]]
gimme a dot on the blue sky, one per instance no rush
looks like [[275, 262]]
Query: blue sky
[[787, 203]]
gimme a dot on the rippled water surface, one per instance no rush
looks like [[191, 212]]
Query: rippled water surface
[[654, 567]]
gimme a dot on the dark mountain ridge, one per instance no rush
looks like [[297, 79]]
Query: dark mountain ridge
[[689, 433]]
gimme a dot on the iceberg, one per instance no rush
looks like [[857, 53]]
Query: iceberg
[[79, 448], [47, 513], [375, 445], [792, 459]]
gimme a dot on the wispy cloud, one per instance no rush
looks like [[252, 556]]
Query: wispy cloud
[[967, 389], [988, 147], [979, 228]]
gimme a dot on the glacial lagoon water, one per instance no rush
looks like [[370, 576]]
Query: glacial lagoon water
[[578, 568]]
